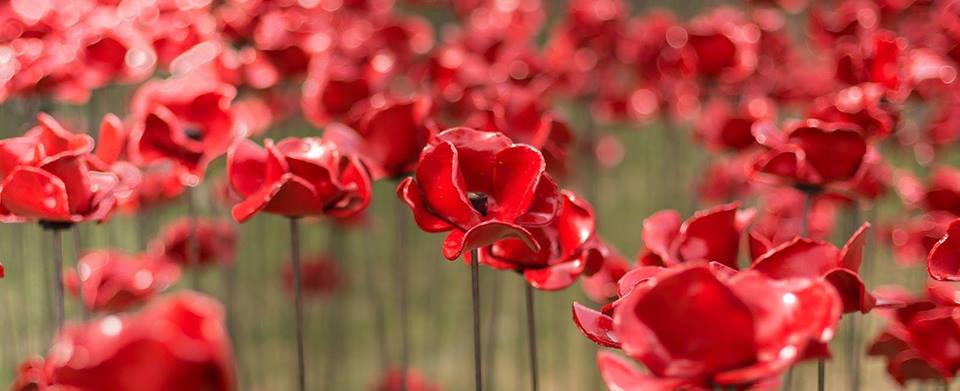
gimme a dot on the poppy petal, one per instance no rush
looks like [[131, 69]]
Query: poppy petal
[[595, 326], [246, 167], [34, 193], [290, 196], [442, 185]]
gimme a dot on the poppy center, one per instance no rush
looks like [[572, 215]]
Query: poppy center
[[479, 201], [193, 133]]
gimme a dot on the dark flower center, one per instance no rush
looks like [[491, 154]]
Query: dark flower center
[[193, 133], [479, 201]]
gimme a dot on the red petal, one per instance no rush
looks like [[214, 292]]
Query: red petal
[[477, 152], [485, 234], [943, 262], [72, 170], [596, 326], [659, 231], [16, 151], [759, 245], [291, 196], [246, 167], [686, 326], [112, 139], [622, 375], [555, 277], [33, 193], [711, 235], [851, 289], [798, 258], [426, 220], [852, 252], [442, 186], [518, 171]]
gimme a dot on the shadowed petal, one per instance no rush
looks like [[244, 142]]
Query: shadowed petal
[[485, 234], [943, 262]]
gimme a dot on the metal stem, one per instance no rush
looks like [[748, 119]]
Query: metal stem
[[297, 300]]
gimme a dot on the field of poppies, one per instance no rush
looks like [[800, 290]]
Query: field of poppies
[[425, 195]]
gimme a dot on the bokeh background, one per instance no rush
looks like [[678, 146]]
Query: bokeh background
[[660, 168]]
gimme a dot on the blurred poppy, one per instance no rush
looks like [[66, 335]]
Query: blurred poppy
[[48, 176], [111, 281], [176, 342], [917, 333], [481, 187], [810, 153], [215, 241], [185, 119], [319, 276], [392, 380], [296, 178], [391, 133], [709, 235]]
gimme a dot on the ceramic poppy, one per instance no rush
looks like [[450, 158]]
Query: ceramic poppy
[[215, 241], [659, 322], [48, 176], [391, 133], [319, 276], [158, 348], [810, 154], [111, 281], [480, 187], [296, 178], [711, 235], [185, 119]]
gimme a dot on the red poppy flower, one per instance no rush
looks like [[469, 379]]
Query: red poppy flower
[[564, 248], [816, 259], [319, 276], [811, 153], [725, 44], [726, 179], [113, 52], [48, 176], [659, 321], [392, 380], [878, 59], [917, 334], [159, 184], [111, 281], [864, 105], [215, 241], [724, 127], [481, 187], [175, 343], [912, 240], [296, 178], [332, 87], [185, 119], [519, 113], [391, 133], [942, 192], [709, 235], [601, 287]]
